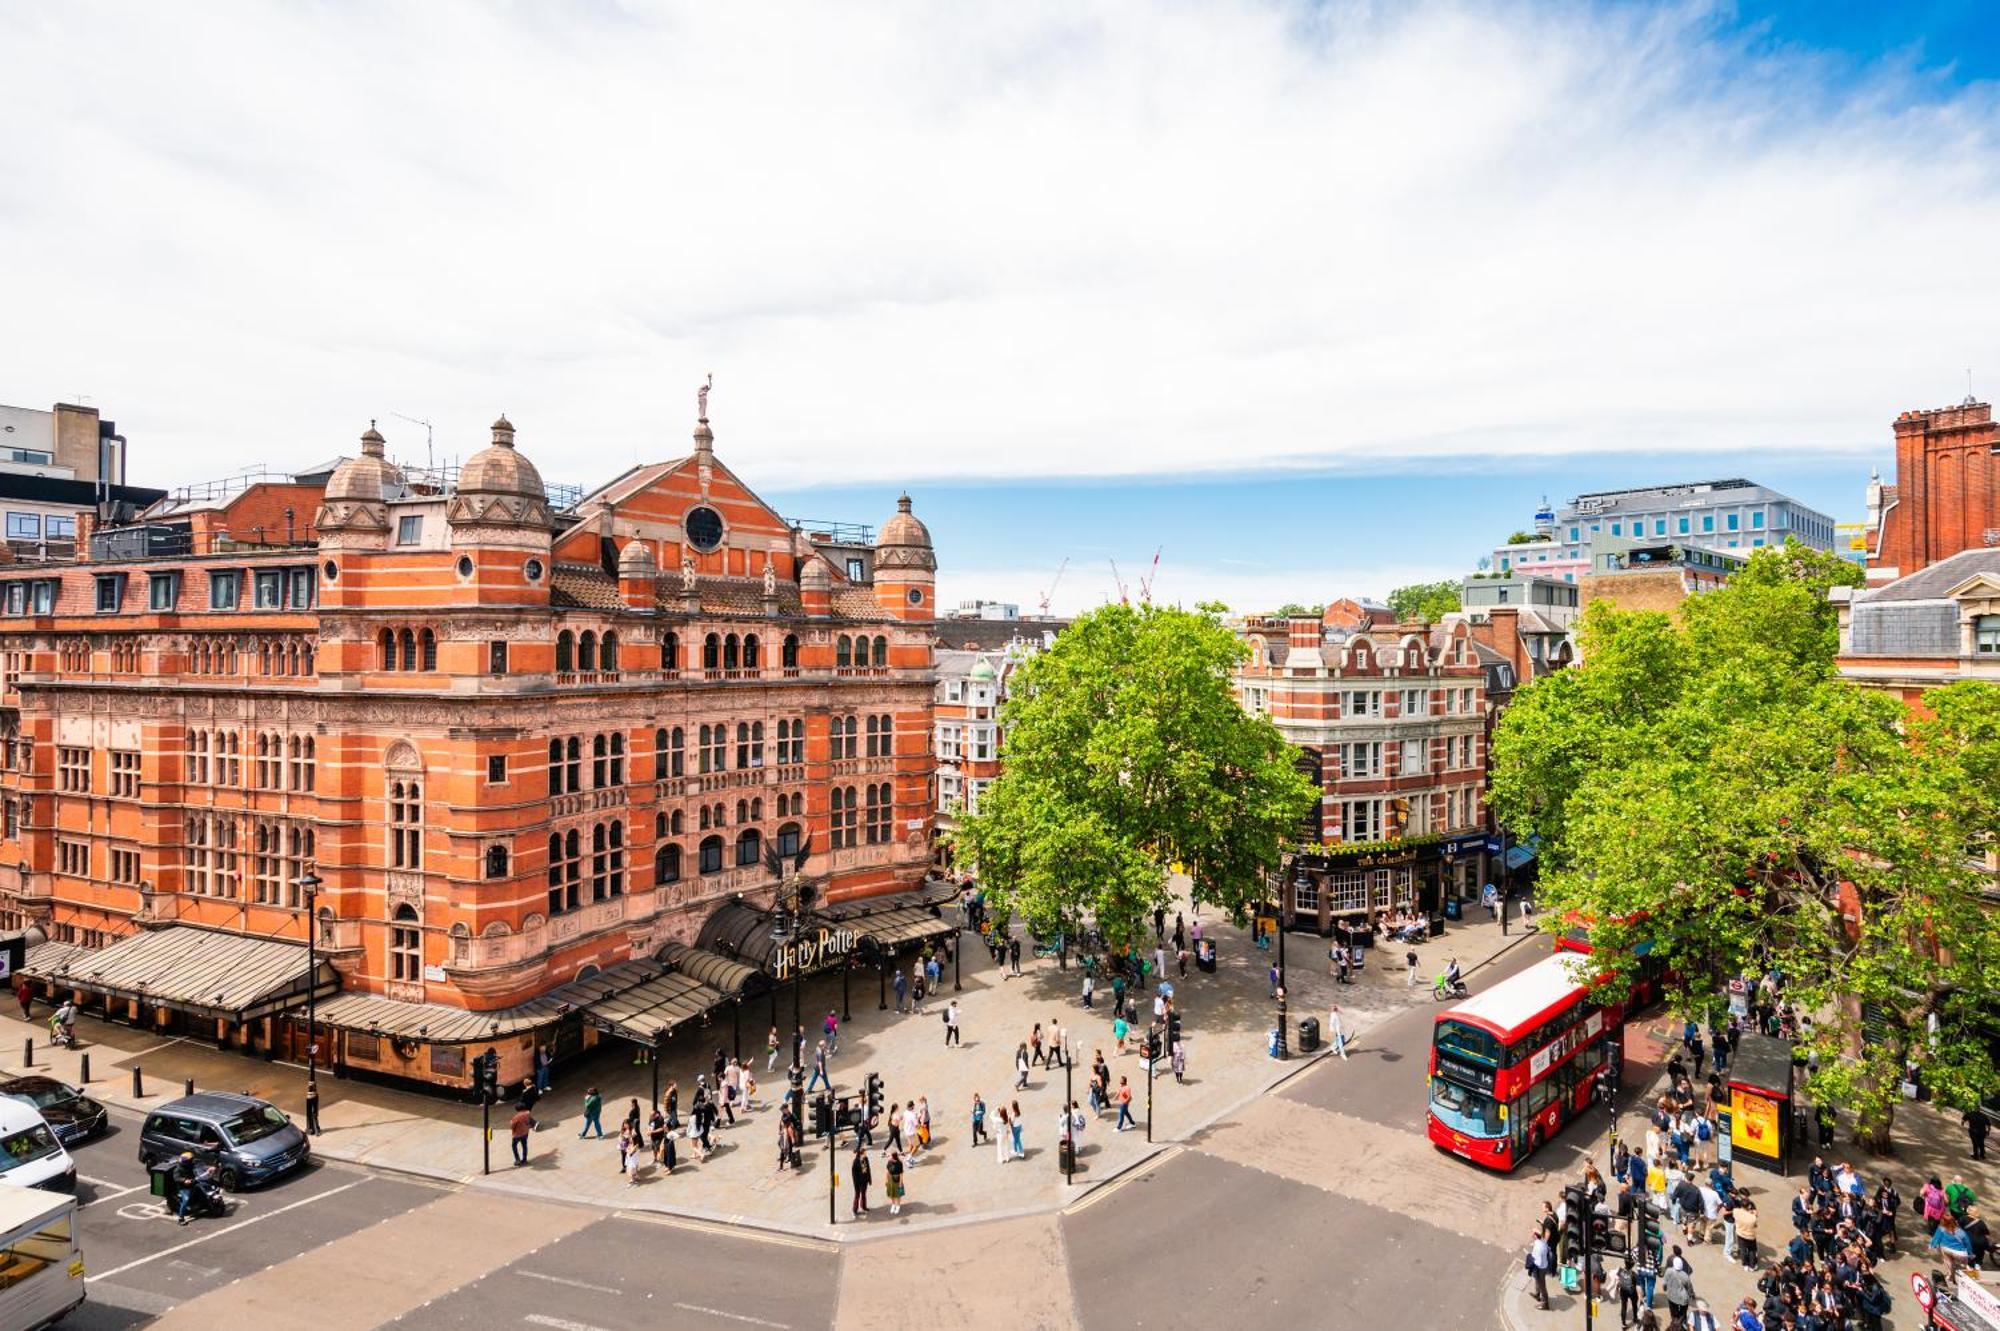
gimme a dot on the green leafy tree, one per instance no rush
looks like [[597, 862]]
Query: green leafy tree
[[1429, 601], [1712, 786], [1127, 753], [1296, 610], [1522, 538]]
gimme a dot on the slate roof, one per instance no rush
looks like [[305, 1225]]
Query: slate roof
[[203, 971], [1936, 582]]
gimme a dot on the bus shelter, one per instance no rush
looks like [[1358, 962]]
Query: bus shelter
[[1760, 1103]]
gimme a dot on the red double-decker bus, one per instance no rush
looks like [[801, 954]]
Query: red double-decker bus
[[1649, 977], [1511, 1065]]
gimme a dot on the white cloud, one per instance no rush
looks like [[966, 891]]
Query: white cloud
[[922, 240]]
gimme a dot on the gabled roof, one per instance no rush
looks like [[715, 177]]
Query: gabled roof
[[1938, 582]]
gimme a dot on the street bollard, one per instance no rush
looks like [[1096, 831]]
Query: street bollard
[[138, 1085], [83, 1075], [28, 1052], [190, 1087]]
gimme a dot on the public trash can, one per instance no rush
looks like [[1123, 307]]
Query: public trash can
[[1308, 1034], [1066, 1157], [1452, 909]]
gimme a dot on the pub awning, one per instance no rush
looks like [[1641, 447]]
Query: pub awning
[[202, 972], [640, 1000]]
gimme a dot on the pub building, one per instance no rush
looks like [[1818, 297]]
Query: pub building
[[1390, 723], [464, 758]]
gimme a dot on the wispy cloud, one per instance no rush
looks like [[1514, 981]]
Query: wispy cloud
[[1030, 239]]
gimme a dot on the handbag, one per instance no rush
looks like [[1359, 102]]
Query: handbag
[[1572, 1278]]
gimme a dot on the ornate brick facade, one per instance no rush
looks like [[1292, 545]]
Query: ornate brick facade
[[515, 744], [1946, 495]]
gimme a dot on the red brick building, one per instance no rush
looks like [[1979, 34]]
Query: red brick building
[[1391, 721], [1946, 495], [519, 744]]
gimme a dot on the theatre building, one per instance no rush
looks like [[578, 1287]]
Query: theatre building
[[1389, 720], [513, 758]]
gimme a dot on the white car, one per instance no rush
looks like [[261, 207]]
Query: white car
[[30, 1155]]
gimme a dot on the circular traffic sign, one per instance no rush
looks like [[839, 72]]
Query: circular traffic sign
[[1920, 1286]]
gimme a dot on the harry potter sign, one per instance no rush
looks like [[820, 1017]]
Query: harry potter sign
[[815, 949]]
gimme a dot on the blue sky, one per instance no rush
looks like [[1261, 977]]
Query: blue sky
[[1319, 296]]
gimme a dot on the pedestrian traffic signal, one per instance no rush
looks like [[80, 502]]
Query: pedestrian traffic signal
[[486, 1076], [1152, 1045], [822, 1116], [872, 1090], [1607, 1086], [1173, 1028], [1652, 1239], [1576, 1211]]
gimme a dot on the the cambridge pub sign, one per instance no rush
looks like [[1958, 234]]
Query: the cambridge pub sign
[[813, 950]]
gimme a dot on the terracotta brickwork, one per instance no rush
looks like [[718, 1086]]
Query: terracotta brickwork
[[513, 743], [1946, 496]]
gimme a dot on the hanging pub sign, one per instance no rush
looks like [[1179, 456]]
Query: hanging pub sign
[[812, 950]]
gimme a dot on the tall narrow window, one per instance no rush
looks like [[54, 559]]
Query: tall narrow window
[[406, 950], [607, 652], [565, 650], [790, 658], [406, 834], [617, 760]]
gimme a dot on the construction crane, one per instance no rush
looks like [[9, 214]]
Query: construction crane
[[1120, 582], [1054, 583], [1146, 583]]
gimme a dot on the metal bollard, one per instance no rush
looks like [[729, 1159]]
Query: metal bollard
[[138, 1086], [190, 1087], [83, 1074], [28, 1052]]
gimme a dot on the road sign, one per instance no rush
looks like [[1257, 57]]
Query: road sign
[[1920, 1286]]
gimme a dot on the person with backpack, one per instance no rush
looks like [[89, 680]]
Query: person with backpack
[[1539, 1261], [1628, 1293]]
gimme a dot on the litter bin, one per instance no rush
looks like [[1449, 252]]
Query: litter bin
[[1452, 909], [1066, 1157], [1308, 1034]]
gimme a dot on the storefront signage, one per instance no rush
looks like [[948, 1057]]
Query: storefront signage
[[1465, 845], [1978, 1299], [1753, 1123], [813, 950]]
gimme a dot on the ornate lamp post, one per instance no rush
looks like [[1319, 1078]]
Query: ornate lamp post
[[309, 884], [791, 902]]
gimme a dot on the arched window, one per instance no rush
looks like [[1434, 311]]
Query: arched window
[[406, 947], [749, 847], [743, 811], [574, 753], [598, 762], [407, 641], [667, 864], [306, 659], [843, 652], [618, 859], [757, 810], [788, 839], [263, 656], [565, 650], [791, 651], [428, 644], [560, 897], [617, 760], [750, 652], [607, 652], [679, 751], [496, 861], [711, 854], [711, 652], [881, 651], [670, 652], [555, 767], [675, 824], [756, 744], [729, 652], [406, 825], [742, 745], [600, 864], [586, 651]]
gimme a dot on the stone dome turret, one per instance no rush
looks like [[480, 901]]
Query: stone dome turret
[[500, 469], [636, 560], [904, 541], [368, 479], [982, 672], [815, 576], [498, 488]]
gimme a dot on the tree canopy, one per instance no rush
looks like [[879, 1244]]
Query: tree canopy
[[1298, 610], [1709, 783], [1127, 752], [1429, 601]]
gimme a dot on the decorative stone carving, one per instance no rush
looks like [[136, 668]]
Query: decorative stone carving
[[403, 756]]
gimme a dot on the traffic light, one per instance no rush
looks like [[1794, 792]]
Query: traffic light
[[871, 1089], [1607, 1086], [1605, 1237], [486, 1076], [1576, 1211], [1173, 1028], [822, 1116], [1152, 1045], [1652, 1239]]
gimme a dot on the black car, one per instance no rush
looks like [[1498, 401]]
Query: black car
[[72, 1115]]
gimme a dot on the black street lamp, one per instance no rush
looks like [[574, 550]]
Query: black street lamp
[[309, 884]]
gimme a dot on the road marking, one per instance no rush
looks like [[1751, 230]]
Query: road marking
[[100, 1182], [227, 1229], [1097, 1195], [734, 1317], [112, 1196], [573, 1284], [738, 1232], [559, 1323]]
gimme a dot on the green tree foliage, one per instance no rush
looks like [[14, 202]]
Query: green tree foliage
[[1430, 601], [1710, 784], [1127, 753], [1521, 538], [1295, 610]]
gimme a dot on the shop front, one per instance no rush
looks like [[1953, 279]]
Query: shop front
[[1331, 891]]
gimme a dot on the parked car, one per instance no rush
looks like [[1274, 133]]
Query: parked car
[[250, 1140], [30, 1155], [73, 1116]]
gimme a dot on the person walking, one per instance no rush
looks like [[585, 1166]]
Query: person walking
[[1124, 1098], [1014, 955], [520, 1126], [1120, 1029], [1016, 1124], [1178, 1061], [663, 1140], [901, 985], [1678, 1288], [1334, 1033], [1004, 1139], [978, 1119], [24, 994], [771, 1050], [1089, 990], [1976, 1126], [913, 1139], [788, 1139], [1021, 1066], [893, 1167], [1035, 1044], [832, 1028], [628, 1152], [593, 1114], [819, 1070], [863, 1175], [1410, 967], [951, 1023]]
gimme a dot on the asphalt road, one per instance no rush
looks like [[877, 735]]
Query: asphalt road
[[140, 1262]]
